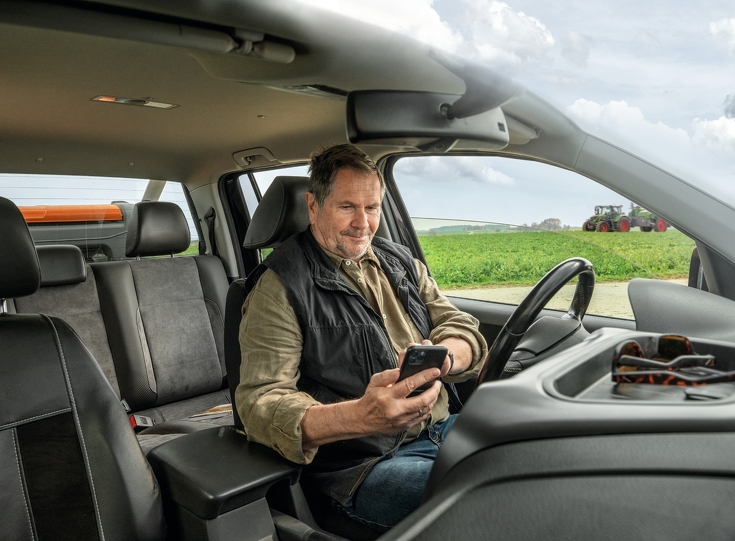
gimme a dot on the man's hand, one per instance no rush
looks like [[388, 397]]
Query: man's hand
[[385, 408]]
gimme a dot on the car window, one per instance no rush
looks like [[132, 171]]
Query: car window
[[89, 212], [254, 185], [491, 227]]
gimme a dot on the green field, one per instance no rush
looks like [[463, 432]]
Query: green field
[[489, 259]]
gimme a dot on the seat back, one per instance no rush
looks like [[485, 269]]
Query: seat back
[[165, 316], [280, 214], [69, 291], [70, 465]]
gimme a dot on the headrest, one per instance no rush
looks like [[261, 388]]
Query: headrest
[[61, 265], [157, 228], [280, 214], [19, 272]]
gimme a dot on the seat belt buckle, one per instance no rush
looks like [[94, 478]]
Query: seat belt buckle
[[141, 422]]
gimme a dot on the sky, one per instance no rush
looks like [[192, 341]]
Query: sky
[[655, 78]]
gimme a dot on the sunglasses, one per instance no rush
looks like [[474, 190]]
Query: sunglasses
[[665, 360]]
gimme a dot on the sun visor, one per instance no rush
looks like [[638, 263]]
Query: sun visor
[[419, 120]]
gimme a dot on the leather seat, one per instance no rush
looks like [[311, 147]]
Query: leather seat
[[165, 319], [281, 213], [70, 465]]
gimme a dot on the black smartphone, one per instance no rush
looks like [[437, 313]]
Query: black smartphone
[[420, 358]]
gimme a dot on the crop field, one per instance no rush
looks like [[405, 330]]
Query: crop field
[[522, 258]]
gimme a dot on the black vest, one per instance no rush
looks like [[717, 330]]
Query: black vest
[[345, 343]]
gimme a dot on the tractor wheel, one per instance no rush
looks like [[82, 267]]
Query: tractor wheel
[[624, 225], [586, 226], [603, 227], [646, 228], [661, 226]]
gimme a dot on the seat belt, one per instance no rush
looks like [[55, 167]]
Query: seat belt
[[209, 220]]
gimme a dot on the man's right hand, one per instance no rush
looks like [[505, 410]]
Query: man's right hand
[[386, 407]]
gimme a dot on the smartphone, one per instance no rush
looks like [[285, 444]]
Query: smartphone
[[420, 358]]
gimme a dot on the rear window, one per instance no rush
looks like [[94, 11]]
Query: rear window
[[89, 212]]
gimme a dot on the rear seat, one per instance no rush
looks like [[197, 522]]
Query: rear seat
[[165, 318], [69, 291], [154, 325]]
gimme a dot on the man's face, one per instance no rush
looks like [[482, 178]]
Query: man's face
[[346, 223]]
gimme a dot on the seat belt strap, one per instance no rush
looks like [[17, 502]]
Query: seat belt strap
[[209, 220]]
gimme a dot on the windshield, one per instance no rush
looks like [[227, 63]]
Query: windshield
[[654, 78]]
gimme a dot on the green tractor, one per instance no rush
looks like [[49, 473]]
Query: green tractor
[[611, 218], [647, 221], [608, 218]]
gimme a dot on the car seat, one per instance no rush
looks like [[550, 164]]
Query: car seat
[[70, 465]]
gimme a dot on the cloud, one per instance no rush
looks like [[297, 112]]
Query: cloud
[[454, 168], [724, 31], [415, 18], [730, 106], [703, 156], [626, 120], [715, 134], [576, 47], [491, 30], [500, 35]]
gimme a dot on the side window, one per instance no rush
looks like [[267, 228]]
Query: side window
[[254, 185], [491, 227], [89, 212], [174, 193]]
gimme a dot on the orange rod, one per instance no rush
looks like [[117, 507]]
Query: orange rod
[[71, 213]]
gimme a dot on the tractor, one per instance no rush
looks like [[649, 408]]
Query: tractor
[[646, 220], [611, 218], [607, 218]]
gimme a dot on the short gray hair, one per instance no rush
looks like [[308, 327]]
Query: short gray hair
[[327, 161]]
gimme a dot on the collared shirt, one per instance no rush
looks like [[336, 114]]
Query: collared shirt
[[268, 400]]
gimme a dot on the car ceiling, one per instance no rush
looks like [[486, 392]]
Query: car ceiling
[[53, 65]]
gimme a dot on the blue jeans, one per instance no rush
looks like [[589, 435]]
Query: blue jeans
[[394, 486]]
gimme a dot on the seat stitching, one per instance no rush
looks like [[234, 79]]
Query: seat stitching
[[21, 421], [22, 485], [75, 414]]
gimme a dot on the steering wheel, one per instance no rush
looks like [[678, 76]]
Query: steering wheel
[[527, 312]]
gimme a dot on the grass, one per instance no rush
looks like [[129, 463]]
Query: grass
[[193, 249], [491, 259]]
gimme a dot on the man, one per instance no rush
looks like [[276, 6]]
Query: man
[[324, 330]]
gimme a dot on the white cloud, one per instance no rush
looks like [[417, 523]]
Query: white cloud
[[704, 157], [456, 168], [491, 32], [415, 18], [576, 47], [621, 120], [504, 36], [626, 120], [724, 30], [715, 134]]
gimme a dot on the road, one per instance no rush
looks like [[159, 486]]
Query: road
[[609, 299]]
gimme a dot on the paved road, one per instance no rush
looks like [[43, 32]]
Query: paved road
[[609, 299]]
